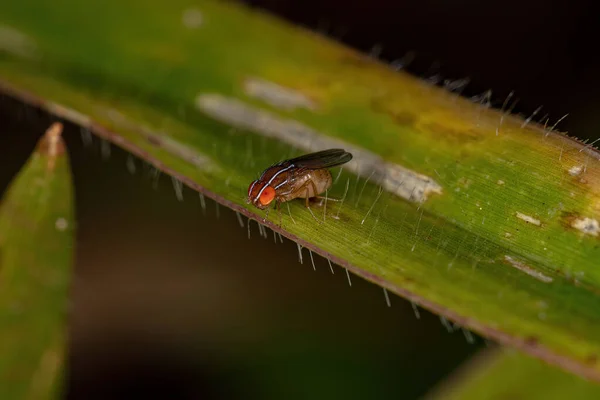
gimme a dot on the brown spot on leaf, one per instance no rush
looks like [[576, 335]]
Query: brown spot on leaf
[[404, 118], [567, 217], [531, 341], [592, 359], [450, 134], [401, 117], [577, 222], [154, 140]]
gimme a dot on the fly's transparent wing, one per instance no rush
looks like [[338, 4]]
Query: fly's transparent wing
[[321, 159]]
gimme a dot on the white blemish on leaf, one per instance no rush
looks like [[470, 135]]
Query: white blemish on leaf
[[162, 140], [500, 182], [17, 43], [587, 225], [61, 224], [529, 219], [575, 170], [507, 235], [527, 269], [276, 95], [184, 152], [394, 178], [192, 18]]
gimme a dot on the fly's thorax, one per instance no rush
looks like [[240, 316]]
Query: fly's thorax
[[277, 176]]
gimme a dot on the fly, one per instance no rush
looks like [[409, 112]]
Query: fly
[[304, 177]]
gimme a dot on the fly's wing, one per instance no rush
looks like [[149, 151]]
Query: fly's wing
[[321, 159]]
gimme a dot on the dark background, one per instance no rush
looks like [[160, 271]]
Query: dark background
[[168, 302]]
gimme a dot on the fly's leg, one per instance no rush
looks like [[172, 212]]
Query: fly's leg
[[326, 198], [305, 188], [278, 206], [287, 203], [314, 187]]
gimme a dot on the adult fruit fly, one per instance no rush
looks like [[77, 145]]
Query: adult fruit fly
[[304, 177]]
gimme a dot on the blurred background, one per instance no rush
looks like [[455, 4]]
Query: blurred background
[[173, 301]]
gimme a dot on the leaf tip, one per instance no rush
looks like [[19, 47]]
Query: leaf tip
[[51, 144]]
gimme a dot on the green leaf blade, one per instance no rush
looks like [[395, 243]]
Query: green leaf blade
[[506, 244], [501, 374], [36, 250]]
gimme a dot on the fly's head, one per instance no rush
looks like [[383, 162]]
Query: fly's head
[[260, 194]]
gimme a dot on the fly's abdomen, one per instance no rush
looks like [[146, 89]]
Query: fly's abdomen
[[321, 181]]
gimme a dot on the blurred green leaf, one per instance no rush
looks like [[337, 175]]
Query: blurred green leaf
[[487, 219], [36, 251], [502, 374]]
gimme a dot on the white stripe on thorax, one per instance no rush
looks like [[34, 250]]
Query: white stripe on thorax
[[251, 187], [271, 180], [280, 185]]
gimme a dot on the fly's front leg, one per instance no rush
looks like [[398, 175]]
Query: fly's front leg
[[278, 206]]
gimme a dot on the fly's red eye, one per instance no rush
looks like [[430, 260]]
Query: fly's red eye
[[267, 195]]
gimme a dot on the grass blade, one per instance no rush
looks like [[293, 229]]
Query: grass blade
[[36, 250], [468, 212], [501, 374]]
